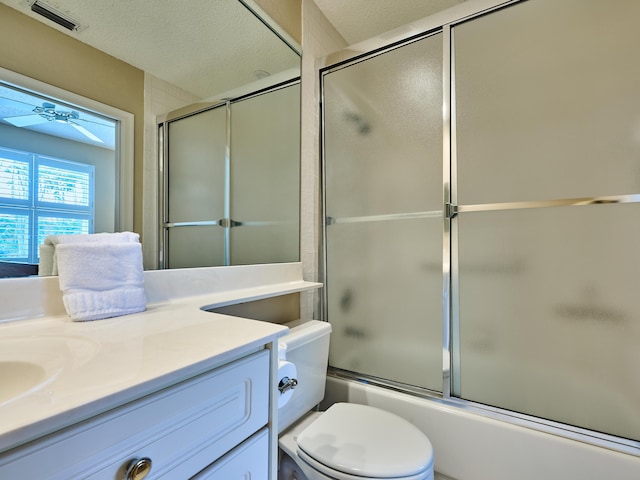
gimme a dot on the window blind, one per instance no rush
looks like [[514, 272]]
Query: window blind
[[41, 196]]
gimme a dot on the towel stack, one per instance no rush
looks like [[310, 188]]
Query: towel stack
[[100, 275]]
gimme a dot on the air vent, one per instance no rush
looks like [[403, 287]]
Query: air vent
[[52, 14]]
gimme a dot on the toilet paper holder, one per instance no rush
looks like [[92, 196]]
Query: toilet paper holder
[[287, 384]]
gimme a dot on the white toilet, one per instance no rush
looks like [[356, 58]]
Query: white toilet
[[348, 441]]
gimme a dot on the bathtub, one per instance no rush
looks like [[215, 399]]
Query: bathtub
[[471, 446]]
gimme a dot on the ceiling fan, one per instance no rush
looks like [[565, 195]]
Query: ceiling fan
[[48, 113]]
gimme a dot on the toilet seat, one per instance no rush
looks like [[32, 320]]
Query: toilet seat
[[356, 442], [329, 473]]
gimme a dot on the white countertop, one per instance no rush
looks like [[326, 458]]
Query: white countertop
[[98, 365]]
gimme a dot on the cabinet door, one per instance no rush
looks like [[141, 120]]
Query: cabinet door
[[249, 461]]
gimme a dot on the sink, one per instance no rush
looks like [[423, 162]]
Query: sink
[[17, 378], [29, 363]]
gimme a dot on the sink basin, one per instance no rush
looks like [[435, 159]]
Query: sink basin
[[29, 363], [17, 377]]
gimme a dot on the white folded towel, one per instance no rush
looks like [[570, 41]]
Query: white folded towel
[[45, 267], [48, 261], [101, 280]]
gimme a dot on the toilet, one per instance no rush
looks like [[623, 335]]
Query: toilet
[[348, 441]]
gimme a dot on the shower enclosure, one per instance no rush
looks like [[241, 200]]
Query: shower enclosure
[[231, 182], [383, 191], [481, 190]]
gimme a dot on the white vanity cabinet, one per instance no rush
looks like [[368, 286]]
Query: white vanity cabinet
[[247, 461], [212, 426], [179, 385]]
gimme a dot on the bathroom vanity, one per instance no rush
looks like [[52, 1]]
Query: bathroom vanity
[[176, 391]]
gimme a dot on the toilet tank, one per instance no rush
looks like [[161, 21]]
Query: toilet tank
[[307, 347]]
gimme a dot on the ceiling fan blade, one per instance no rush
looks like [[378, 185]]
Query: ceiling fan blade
[[85, 132], [25, 120]]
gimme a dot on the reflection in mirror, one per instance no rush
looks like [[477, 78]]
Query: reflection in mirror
[[227, 65], [230, 187], [59, 165], [55, 160]]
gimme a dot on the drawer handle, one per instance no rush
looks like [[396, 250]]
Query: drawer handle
[[138, 468]]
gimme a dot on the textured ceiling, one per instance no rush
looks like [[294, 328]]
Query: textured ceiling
[[358, 20]]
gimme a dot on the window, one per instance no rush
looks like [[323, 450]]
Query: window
[[41, 196]]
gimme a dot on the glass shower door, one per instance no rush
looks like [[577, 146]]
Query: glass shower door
[[383, 155], [195, 189], [548, 188], [265, 171]]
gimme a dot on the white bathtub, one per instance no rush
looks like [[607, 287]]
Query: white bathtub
[[470, 446]]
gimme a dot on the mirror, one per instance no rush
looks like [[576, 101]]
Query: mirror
[[196, 56]]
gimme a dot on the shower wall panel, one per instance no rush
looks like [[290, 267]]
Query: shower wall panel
[[197, 146], [196, 173], [383, 202], [548, 173], [544, 115], [195, 246], [265, 146], [548, 314]]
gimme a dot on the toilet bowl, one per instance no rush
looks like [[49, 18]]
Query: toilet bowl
[[348, 441]]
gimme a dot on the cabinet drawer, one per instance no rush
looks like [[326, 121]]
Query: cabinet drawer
[[182, 429], [247, 461]]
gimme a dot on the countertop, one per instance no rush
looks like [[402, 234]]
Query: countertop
[[95, 366]]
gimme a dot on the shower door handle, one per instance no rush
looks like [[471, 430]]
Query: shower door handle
[[229, 223]]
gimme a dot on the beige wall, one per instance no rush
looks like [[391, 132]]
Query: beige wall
[[319, 38], [287, 14], [160, 97], [32, 49]]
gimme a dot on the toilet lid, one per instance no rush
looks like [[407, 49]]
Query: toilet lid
[[366, 441]]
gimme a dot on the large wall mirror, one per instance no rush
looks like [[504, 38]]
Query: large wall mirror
[[148, 59]]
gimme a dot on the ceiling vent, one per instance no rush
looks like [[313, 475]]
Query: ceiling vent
[[55, 16]]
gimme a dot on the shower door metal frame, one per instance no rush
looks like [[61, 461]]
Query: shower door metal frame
[[444, 23]]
